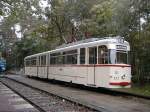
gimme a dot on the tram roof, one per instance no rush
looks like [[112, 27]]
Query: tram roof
[[86, 43]]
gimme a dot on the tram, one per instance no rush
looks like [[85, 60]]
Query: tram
[[94, 62]]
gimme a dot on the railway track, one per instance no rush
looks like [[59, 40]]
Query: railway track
[[101, 90], [12, 102], [114, 92], [43, 101], [94, 100]]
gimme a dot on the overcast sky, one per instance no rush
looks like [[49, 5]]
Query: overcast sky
[[42, 3]]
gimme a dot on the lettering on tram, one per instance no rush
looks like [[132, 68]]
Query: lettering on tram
[[95, 62], [121, 47]]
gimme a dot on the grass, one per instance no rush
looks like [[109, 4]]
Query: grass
[[142, 90]]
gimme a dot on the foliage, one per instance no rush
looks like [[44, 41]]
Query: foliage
[[28, 46], [138, 89], [67, 20]]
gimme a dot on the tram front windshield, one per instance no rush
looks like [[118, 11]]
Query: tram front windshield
[[118, 57]]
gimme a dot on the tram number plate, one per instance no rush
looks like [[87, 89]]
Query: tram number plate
[[121, 47]]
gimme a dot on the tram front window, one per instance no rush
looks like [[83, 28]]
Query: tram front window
[[118, 57], [121, 57]]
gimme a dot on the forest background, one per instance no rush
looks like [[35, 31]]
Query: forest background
[[41, 25]]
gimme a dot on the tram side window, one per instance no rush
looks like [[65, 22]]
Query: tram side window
[[102, 55], [64, 58], [52, 59], [59, 59], [27, 62], [82, 56], [30, 62], [55, 58], [43, 60], [38, 60], [112, 56], [70, 57], [93, 55], [33, 61]]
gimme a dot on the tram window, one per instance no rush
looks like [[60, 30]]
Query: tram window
[[70, 57], [38, 60], [122, 57], [74, 59], [64, 58], [93, 55], [43, 60], [128, 57], [112, 56], [55, 58], [52, 60], [102, 55], [33, 61], [82, 56], [59, 59], [27, 62]]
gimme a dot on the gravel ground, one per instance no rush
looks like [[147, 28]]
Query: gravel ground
[[12, 102], [47, 102]]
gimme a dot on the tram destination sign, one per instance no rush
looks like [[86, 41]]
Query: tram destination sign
[[121, 47]]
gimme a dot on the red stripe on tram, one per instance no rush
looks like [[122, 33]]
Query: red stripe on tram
[[120, 83]]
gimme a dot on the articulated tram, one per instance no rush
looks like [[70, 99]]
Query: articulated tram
[[93, 62]]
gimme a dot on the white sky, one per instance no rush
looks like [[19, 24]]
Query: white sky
[[43, 4], [142, 20], [1, 18], [17, 30]]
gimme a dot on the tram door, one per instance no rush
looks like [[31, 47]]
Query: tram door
[[42, 70], [92, 61]]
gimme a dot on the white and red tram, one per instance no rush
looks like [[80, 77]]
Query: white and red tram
[[92, 62]]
